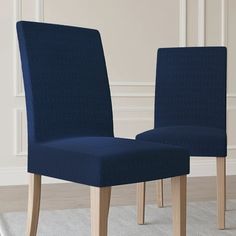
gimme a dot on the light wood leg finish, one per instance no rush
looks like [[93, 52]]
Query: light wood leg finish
[[179, 195], [100, 203], [33, 204], [160, 194], [221, 190], [141, 190]]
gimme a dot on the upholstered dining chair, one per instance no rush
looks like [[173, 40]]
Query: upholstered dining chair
[[190, 111], [70, 125]]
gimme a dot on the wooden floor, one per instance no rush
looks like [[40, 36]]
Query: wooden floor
[[70, 195]]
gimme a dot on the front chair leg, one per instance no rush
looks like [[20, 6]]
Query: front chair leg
[[141, 190], [178, 185], [33, 204], [221, 190], [100, 202], [160, 194]]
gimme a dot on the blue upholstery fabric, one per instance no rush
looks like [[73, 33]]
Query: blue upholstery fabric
[[69, 113], [200, 141], [107, 161], [190, 101], [65, 80]]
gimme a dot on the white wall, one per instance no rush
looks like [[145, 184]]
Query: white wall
[[132, 30]]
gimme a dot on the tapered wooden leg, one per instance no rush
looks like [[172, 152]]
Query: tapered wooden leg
[[160, 195], [221, 191], [178, 185], [33, 204], [141, 190], [100, 203]]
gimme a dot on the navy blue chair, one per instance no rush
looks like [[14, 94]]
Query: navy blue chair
[[70, 125], [190, 109]]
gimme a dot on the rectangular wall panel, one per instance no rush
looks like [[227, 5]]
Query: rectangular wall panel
[[21, 132]]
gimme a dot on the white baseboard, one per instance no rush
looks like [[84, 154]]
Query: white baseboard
[[199, 167], [19, 176], [206, 166]]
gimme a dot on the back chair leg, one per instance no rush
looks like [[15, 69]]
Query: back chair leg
[[100, 203], [141, 191], [178, 185], [221, 190], [33, 204], [160, 194]]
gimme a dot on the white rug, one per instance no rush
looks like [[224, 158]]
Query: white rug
[[122, 221]]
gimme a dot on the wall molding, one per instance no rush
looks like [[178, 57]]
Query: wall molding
[[224, 22], [133, 109], [40, 10], [133, 119], [201, 22], [231, 147], [17, 74], [133, 95], [231, 95], [135, 83], [20, 132], [183, 23], [150, 95]]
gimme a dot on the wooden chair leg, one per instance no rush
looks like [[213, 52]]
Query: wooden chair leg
[[221, 190], [100, 203], [160, 194], [33, 204], [141, 191], [178, 185]]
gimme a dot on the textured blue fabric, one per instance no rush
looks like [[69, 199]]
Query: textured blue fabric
[[191, 87], [190, 101], [107, 161], [65, 80], [200, 141], [69, 113]]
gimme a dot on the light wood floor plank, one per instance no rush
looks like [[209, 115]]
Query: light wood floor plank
[[71, 195]]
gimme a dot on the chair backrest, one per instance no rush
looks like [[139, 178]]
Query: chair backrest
[[191, 87], [65, 80]]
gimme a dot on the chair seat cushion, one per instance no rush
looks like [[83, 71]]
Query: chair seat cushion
[[199, 141], [107, 161]]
